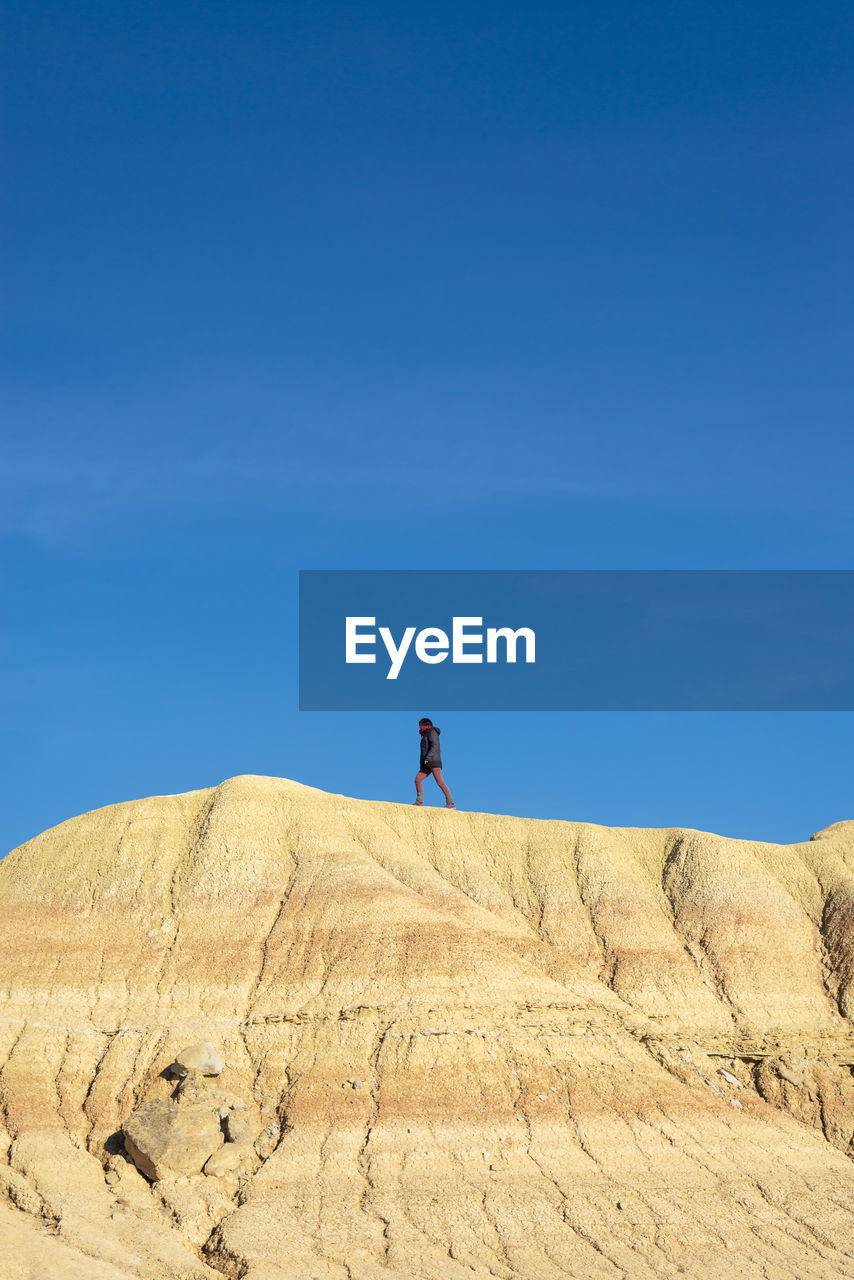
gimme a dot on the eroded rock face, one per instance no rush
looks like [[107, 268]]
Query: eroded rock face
[[466, 1045], [816, 1092]]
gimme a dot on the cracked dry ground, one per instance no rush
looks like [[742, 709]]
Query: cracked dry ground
[[580, 1051]]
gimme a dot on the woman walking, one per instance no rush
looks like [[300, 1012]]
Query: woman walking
[[431, 762]]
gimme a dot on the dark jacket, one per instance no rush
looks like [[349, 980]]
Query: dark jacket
[[430, 753]]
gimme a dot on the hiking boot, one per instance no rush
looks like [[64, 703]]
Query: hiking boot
[[449, 804], [419, 800]]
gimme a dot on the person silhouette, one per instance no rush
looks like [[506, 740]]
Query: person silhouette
[[431, 762]]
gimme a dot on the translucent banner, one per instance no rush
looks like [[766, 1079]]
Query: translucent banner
[[577, 640]]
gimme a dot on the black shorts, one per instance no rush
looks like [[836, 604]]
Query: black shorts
[[428, 767]]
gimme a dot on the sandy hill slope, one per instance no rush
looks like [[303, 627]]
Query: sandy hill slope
[[462, 1046]]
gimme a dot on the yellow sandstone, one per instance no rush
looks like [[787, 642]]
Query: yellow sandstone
[[456, 1046]]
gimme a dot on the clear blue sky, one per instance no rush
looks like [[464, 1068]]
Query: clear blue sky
[[396, 286]]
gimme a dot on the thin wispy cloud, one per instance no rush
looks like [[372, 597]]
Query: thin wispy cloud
[[48, 499]]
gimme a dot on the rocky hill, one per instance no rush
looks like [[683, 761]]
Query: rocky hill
[[266, 1032]]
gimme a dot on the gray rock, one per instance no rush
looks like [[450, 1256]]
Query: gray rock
[[201, 1056], [238, 1128]]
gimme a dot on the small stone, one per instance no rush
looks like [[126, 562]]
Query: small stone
[[111, 1178], [226, 1160], [357, 1084], [201, 1056], [238, 1127], [266, 1142], [730, 1078]]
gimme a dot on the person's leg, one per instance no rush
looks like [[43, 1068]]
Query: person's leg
[[419, 787], [437, 774]]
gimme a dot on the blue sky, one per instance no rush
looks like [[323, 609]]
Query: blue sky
[[385, 286]]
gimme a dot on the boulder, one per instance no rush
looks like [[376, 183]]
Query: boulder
[[166, 1139]]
